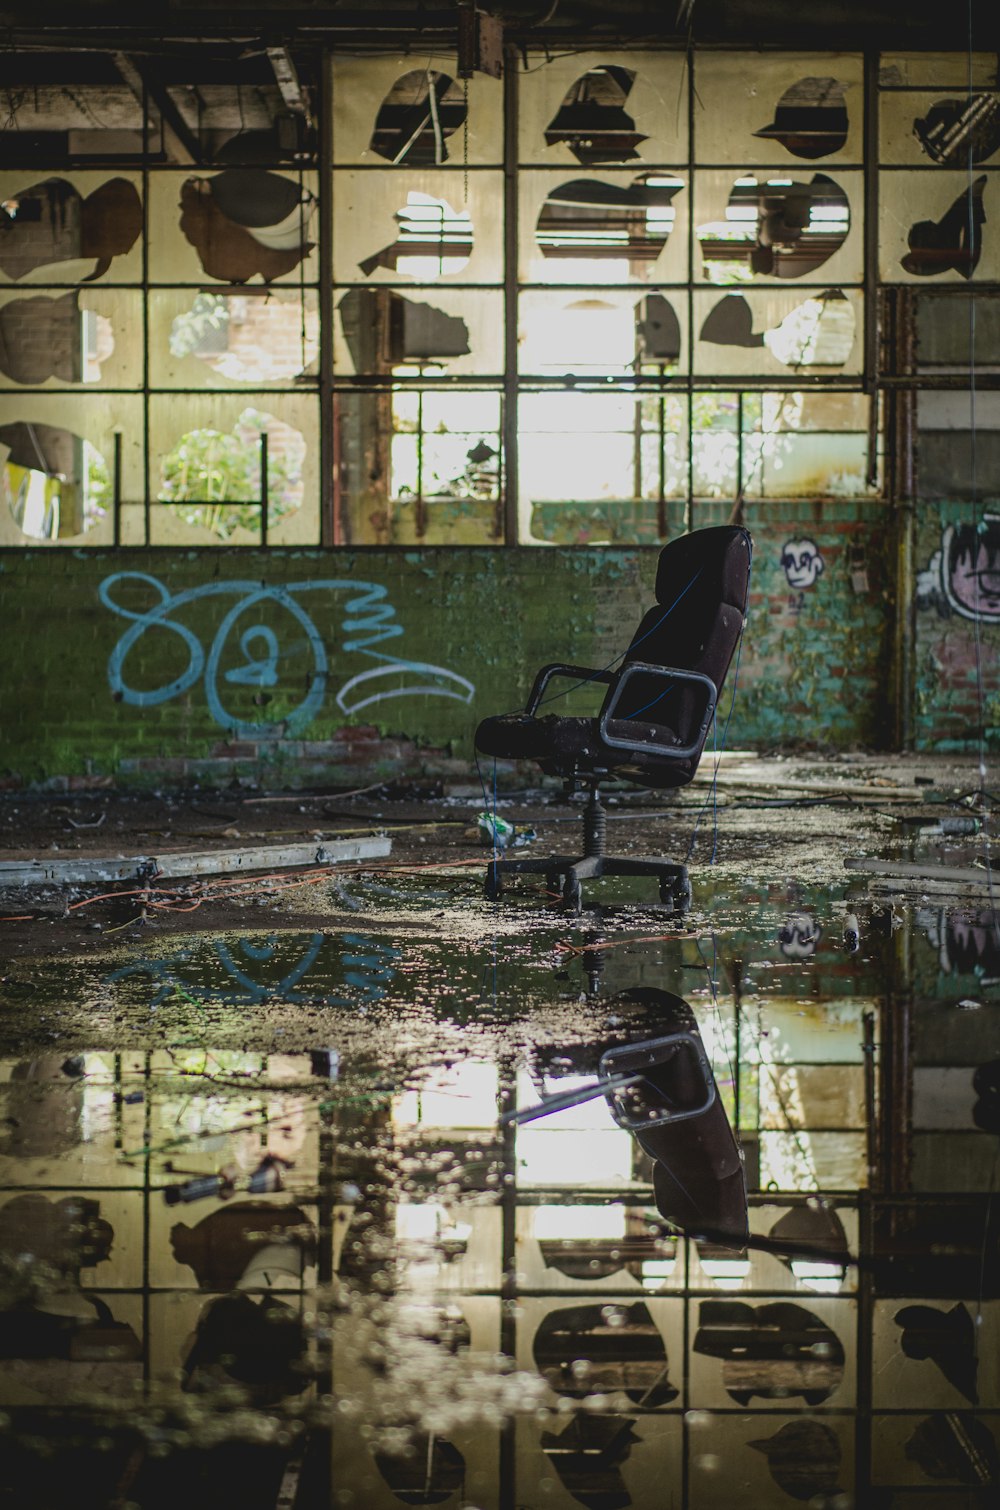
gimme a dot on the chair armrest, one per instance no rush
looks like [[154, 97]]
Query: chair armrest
[[580, 673], [667, 674]]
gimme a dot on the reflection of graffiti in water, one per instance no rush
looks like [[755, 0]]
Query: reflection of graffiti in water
[[369, 620], [364, 964], [963, 577], [968, 942], [799, 935]]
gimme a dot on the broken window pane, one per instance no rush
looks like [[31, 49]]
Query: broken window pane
[[591, 219], [419, 466], [235, 225], [616, 228], [759, 333], [801, 444], [600, 332], [596, 108], [209, 339], [948, 336], [420, 112], [759, 227], [601, 467], [778, 108], [70, 228], [57, 465], [813, 1161], [715, 445], [89, 336], [383, 113], [937, 224], [943, 129], [205, 467], [379, 330], [420, 225]]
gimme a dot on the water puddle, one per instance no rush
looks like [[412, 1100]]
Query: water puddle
[[276, 1230]]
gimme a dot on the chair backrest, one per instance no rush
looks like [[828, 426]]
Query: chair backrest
[[702, 582]]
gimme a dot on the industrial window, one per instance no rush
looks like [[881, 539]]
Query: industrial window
[[360, 301]]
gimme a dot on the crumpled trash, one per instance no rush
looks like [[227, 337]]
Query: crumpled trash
[[496, 833]]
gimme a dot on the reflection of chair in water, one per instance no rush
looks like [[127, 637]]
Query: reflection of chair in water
[[620, 1344], [662, 1090], [656, 715]]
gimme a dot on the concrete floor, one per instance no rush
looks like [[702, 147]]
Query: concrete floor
[[256, 1119]]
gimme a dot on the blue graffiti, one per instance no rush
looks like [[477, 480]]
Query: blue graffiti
[[366, 965], [369, 620]]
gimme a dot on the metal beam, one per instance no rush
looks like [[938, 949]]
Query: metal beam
[[287, 79], [182, 138]]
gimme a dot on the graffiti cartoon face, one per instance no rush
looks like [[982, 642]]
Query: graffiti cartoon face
[[971, 561], [799, 936], [802, 562]]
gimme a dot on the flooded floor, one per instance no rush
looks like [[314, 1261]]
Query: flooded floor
[[275, 1230]]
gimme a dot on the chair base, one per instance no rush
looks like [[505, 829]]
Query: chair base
[[565, 873]]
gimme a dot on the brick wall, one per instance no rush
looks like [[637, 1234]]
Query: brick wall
[[229, 680]]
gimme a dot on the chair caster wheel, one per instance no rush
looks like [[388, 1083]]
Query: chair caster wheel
[[676, 893], [572, 897], [492, 886]]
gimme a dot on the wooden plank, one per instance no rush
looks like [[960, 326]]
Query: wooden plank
[[267, 857]]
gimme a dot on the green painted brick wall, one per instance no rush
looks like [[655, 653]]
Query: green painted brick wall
[[945, 678], [224, 672]]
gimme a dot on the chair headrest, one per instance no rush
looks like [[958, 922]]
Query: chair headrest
[[720, 559]]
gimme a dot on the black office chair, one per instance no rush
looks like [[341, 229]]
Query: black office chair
[[655, 717]]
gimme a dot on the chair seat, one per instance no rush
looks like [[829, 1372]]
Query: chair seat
[[562, 744]]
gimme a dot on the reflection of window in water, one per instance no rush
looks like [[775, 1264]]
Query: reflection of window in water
[[246, 339], [214, 477], [775, 228], [623, 223], [432, 240], [580, 1146], [422, 109], [54, 483]]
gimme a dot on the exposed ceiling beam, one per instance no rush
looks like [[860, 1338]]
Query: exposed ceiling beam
[[173, 144], [181, 142], [286, 76]]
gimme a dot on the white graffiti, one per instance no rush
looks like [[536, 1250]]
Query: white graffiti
[[963, 577], [369, 620], [802, 562]]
